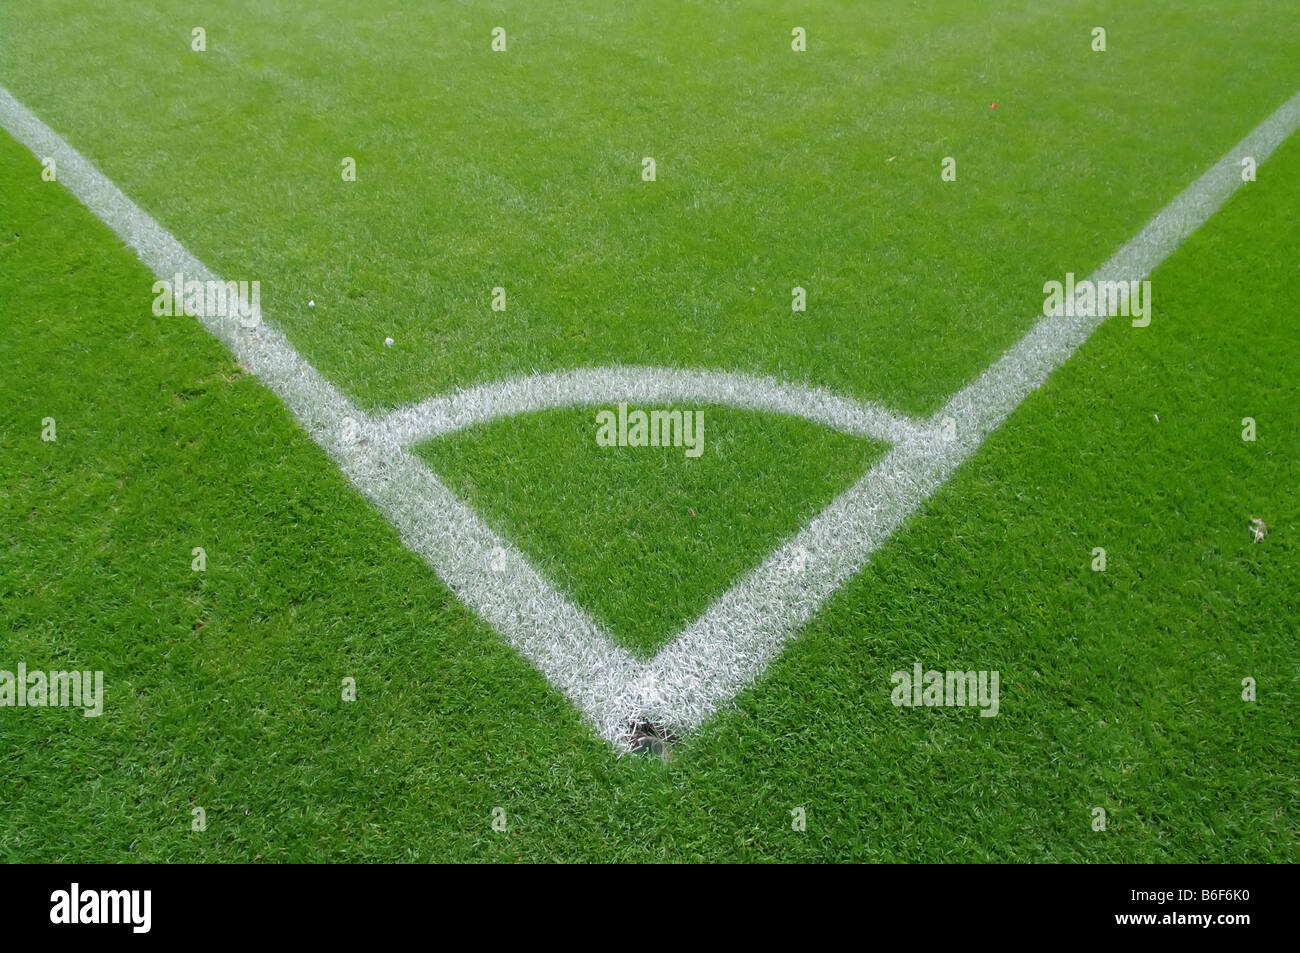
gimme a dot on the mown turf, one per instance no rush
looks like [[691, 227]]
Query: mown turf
[[775, 169], [645, 537], [1119, 689]]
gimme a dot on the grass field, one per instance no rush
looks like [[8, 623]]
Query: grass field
[[522, 169]]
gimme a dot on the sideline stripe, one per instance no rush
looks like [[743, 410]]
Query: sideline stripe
[[729, 646], [483, 569], [264, 350], [985, 403]]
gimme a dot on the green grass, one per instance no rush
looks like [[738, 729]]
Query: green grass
[[1119, 689], [775, 169], [646, 537]]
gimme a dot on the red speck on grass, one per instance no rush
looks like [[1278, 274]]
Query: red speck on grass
[[993, 105]]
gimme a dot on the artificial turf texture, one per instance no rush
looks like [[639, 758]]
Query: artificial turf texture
[[1119, 689]]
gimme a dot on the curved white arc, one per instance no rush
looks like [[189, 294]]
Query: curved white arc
[[644, 385]]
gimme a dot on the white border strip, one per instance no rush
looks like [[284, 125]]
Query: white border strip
[[729, 646], [483, 569], [1022, 369]]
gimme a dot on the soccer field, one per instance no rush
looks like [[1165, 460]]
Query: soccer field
[[677, 432]]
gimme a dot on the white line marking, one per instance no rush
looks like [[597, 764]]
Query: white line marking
[[643, 385], [729, 646], [557, 636]]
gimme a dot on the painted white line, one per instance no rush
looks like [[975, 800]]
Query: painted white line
[[986, 402], [484, 570], [729, 646], [733, 641], [264, 350], [643, 385]]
